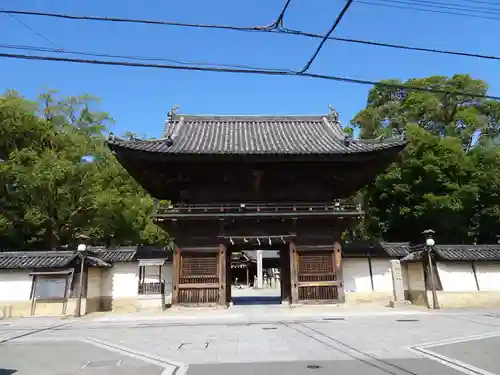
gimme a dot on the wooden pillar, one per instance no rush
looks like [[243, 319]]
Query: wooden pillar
[[337, 261], [223, 275], [294, 272], [176, 275]]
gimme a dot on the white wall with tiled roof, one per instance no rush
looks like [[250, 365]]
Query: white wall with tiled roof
[[488, 275], [459, 276], [356, 275], [15, 285]]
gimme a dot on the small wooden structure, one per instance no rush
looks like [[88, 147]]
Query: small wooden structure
[[254, 182]]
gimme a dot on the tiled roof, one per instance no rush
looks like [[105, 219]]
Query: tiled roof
[[59, 259], [264, 135], [377, 250], [460, 253], [35, 259], [468, 252], [116, 255], [396, 249]]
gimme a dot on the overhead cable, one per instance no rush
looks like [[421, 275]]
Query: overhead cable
[[327, 35], [407, 5], [249, 71], [134, 57], [140, 21], [28, 27], [278, 30]]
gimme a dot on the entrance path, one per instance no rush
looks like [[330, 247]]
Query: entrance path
[[389, 342]]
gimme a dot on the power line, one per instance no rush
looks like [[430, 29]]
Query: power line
[[444, 5], [28, 27], [327, 35], [391, 45], [249, 71], [413, 6], [278, 30], [483, 2], [140, 21], [279, 20], [135, 57]]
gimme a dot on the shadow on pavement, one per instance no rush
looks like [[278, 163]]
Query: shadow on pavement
[[256, 300], [410, 366]]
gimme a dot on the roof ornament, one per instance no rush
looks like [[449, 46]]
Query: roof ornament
[[398, 133], [111, 136], [347, 140], [334, 115], [172, 112], [169, 141]]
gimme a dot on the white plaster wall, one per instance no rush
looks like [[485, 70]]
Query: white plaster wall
[[382, 276], [125, 279], [15, 285], [415, 274], [94, 282], [488, 275], [456, 276], [356, 275], [107, 282], [168, 274]]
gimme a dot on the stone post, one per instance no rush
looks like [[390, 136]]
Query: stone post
[[260, 283], [397, 284]]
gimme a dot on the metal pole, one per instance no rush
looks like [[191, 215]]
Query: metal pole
[[435, 302], [80, 286]]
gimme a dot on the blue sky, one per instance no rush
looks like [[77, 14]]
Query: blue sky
[[138, 98]]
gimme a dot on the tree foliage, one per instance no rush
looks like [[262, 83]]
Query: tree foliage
[[58, 181], [448, 178]]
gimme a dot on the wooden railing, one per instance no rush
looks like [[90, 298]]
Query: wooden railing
[[151, 288], [260, 209]]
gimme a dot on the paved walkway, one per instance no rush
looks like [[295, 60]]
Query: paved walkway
[[415, 343]]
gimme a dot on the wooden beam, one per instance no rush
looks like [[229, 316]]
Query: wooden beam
[[223, 275], [176, 275], [294, 263], [337, 258]]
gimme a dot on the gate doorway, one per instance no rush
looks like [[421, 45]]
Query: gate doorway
[[258, 276]]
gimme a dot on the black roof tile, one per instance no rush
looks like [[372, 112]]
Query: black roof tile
[[468, 252], [459, 253], [35, 259], [63, 258], [396, 249], [376, 250], [264, 135]]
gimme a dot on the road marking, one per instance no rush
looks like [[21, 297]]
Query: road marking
[[423, 349], [453, 363], [170, 367], [457, 340]]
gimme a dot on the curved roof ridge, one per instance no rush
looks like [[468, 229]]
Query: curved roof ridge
[[334, 128], [233, 117]]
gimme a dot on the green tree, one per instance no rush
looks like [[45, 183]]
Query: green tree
[[448, 176], [60, 181]]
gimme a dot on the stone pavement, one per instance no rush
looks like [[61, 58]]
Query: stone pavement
[[441, 343]]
